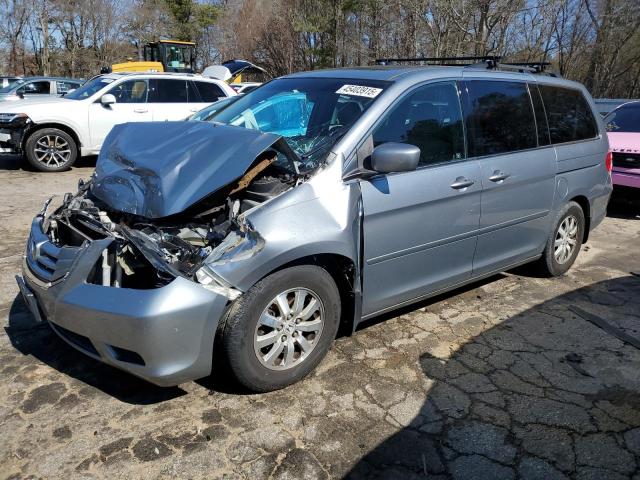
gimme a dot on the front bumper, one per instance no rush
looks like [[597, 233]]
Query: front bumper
[[163, 335]]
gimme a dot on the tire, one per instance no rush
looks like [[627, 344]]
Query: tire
[[51, 150], [243, 328], [553, 263]]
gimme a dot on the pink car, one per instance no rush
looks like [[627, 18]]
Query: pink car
[[623, 130]]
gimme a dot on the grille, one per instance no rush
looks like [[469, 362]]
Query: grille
[[626, 160], [43, 259], [47, 261]]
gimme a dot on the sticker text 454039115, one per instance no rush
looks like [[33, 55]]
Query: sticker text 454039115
[[359, 91]]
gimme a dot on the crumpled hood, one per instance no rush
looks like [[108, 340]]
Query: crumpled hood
[[157, 169]]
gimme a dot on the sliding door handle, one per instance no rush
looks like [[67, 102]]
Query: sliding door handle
[[461, 183], [499, 176]]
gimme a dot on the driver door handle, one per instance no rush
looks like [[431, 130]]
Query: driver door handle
[[499, 176], [461, 182], [141, 110]]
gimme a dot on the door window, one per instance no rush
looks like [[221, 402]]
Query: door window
[[193, 96], [210, 92], [499, 117], [35, 88], [541, 117], [131, 91], [569, 115], [64, 87], [166, 90], [429, 118]]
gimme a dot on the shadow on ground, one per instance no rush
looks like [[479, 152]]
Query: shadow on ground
[[40, 341], [624, 204], [16, 162], [543, 395]]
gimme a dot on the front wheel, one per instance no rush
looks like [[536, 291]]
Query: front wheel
[[51, 150], [280, 330], [564, 242]]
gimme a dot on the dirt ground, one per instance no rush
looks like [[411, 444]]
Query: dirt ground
[[503, 379]]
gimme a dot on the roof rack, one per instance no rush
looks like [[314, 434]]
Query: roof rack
[[441, 61], [489, 62]]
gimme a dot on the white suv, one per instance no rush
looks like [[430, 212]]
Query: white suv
[[53, 132]]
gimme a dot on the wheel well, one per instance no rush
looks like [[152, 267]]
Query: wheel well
[[343, 271], [64, 128], [586, 209]]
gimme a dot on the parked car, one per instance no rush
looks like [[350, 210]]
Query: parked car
[[53, 132], [607, 105], [38, 87], [244, 87], [392, 185], [623, 130], [208, 112], [7, 81]]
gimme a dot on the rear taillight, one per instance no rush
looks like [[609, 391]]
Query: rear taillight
[[608, 162]]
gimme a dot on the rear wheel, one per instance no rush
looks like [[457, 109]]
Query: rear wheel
[[278, 332], [564, 242], [51, 150]]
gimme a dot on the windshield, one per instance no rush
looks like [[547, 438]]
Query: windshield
[[206, 113], [89, 88], [624, 119], [13, 84], [311, 114]]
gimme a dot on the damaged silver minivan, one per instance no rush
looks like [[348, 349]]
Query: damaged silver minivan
[[317, 201]]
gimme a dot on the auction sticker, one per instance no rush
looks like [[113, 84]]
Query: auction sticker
[[359, 91]]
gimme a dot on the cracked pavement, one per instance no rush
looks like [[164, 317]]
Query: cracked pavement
[[501, 379]]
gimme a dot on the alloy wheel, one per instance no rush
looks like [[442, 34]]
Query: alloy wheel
[[566, 239], [288, 329], [52, 150]]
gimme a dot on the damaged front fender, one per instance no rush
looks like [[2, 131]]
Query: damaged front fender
[[238, 245]]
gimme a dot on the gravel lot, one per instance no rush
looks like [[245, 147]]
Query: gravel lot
[[502, 379]]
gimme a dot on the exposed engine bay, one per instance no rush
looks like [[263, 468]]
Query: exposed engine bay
[[151, 252]]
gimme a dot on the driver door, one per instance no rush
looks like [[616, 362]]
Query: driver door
[[131, 106], [420, 227]]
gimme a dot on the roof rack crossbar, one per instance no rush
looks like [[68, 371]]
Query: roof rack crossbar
[[447, 61], [488, 62]]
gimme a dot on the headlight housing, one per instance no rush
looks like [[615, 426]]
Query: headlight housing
[[14, 118], [209, 280]]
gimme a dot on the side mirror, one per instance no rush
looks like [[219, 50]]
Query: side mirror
[[395, 157], [107, 99], [20, 94], [69, 91]]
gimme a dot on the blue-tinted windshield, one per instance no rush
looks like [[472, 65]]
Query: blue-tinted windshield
[[207, 113], [310, 113]]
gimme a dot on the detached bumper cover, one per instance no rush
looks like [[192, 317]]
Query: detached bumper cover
[[163, 335], [12, 131]]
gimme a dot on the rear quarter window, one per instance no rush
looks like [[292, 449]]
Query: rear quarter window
[[499, 117], [568, 114], [210, 92]]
